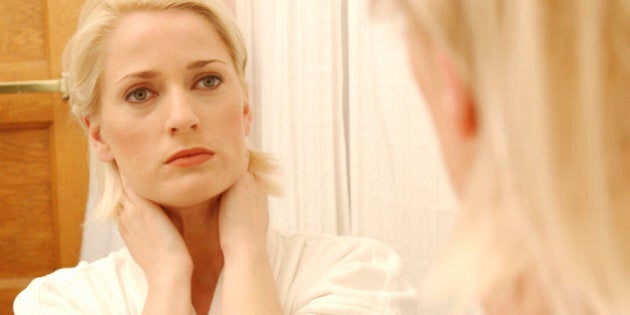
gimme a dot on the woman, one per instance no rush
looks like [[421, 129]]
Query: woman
[[159, 86], [531, 102]]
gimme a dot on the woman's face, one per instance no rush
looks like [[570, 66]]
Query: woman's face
[[174, 116]]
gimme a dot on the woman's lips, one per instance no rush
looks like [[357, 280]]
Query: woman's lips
[[190, 157]]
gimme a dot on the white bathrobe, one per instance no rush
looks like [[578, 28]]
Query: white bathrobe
[[314, 275]]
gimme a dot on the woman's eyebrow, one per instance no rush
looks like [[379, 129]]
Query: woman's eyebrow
[[141, 74], [202, 63], [149, 74]]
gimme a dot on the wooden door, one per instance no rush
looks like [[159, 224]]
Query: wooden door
[[43, 155]]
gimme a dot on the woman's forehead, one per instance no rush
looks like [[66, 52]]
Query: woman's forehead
[[149, 41]]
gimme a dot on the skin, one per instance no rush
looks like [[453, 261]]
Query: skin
[[162, 92]]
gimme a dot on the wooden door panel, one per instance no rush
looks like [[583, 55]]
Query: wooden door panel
[[8, 295], [23, 24], [28, 236], [43, 153], [25, 109]]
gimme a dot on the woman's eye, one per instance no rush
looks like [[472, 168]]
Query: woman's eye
[[209, 82], [138, 95]]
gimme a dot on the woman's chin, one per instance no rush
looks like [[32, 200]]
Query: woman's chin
[[187, 192], [187, 200]]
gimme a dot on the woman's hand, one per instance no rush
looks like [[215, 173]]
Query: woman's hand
[[248, 283], [151, 237], [156, 245], [243, 216]]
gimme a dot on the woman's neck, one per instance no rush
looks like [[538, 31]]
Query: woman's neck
[[199, 227]]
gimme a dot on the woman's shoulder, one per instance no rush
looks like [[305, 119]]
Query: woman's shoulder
[[321, 273], [86, 288]]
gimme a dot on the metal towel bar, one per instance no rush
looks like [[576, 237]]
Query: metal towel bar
[[35, 86]]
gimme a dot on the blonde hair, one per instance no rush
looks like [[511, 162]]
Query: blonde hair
[[545, 224], [83, 63]]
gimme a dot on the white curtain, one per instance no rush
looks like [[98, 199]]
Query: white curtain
[[334, 100], [296, 83]]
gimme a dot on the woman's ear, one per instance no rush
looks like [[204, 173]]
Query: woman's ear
[[448, 97], [100, 147], [458, 99], [451, 104], [247, 116]]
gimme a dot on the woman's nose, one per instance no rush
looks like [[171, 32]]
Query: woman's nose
[[181, 117]]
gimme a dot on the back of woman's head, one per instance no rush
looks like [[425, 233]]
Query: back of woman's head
[[546, 208], [84, 62]]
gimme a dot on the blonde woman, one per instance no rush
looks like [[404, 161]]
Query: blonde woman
[[159, 86], [531, 102]]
